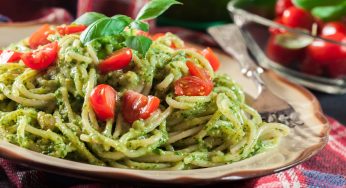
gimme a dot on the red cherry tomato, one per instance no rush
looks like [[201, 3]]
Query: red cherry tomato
[[137, 106], [297, 18], [197, 71], [192, 86], [118, 60], [41, 58], [69, 29], [282, 5], [332, 28], [309, 66], [281, 54], [39, 37], [212, 58], [277, 30], [337, 68], [157, 35], [103, 101], [324, 52], [142, 33], [9, 56]]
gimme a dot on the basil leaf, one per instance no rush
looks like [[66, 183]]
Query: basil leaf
[[310, 4], [139, 43], [293, 41], [105, 27], [330, 13], [155, 8], [140, 25], [89, 18]]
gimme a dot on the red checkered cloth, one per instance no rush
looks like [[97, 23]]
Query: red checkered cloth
[[326, 169]]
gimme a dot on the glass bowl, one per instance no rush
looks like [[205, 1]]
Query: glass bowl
[[255, 21]]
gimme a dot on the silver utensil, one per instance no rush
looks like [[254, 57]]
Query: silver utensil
[[271, 107]]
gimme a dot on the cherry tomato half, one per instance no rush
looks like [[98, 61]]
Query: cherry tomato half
[[212, 58], [9, 56], [198, 71], [69, 29], [103, 101], [39, 37], [137, 106], [297, 18], [118, 60], [332, 28], [192, 86], [41, 58], [282, 5]]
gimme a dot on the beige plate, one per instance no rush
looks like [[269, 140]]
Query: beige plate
[[302, 143]]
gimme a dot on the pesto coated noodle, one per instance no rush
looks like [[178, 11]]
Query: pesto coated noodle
[[49, 111]]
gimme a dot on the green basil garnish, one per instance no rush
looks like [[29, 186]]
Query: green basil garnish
[[89, 18], [154, 9], [139, 43]]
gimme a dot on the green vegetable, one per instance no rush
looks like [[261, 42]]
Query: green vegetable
[[105, 27], [154, 9], [102, 26], [89, 18], [140, 25], [139, 43], [310, 4], [327, 10], [330, 13]]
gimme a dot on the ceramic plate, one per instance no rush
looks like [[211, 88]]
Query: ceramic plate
[[302, 143]]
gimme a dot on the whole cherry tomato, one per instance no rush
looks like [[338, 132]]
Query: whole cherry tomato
[[281, 6], [324, 52], [281, 54], [103, 101], [332, 28], [137, 106], [297, 18], [42, 57], [118, 60], [309, 66]]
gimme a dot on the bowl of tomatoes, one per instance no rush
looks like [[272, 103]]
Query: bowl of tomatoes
[[304, 40]]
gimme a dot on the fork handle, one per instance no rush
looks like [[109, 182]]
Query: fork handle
[[239, 51]]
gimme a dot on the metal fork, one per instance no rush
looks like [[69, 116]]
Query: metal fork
[[271, 107]]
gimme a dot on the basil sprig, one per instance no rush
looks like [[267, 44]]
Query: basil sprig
[[100, 25], [327, 10]]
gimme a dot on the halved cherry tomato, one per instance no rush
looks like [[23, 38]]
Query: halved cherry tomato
[[42, 57], [9, 56], [69, 29], [212, 58], [282, 5], [192, 86], [297, 18], [281, 54], [157, 35], [142, 33], [118, 60], [332, 28], [39, 37], [137, 106], [103, 101], [197, 71]]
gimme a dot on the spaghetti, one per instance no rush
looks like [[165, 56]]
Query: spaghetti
[[50, 111]]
